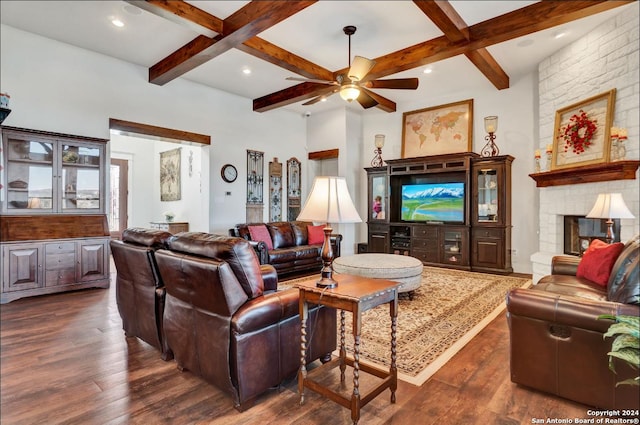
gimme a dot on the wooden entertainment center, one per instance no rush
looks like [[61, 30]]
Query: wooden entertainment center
[[477, 237]]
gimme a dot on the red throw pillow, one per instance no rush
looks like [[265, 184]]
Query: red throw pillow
[[260, 233], [316, 234], [598, 260]]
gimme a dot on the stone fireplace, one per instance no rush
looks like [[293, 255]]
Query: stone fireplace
[[579, 231], [557, 202]]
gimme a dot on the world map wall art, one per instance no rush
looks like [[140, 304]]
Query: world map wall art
[[438, 130]]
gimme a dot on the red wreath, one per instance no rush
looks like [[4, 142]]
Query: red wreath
[[579, 132]]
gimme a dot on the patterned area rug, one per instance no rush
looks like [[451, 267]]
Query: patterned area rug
[[448, 309]]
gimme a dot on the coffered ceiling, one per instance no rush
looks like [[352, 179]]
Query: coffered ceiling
[[464, 43]]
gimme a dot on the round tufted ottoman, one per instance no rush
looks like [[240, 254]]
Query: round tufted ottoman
[[400, 268]]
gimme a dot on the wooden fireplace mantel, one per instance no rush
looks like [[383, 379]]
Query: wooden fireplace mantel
[[618, 170]]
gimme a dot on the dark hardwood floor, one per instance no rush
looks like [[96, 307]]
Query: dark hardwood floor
[[65, 360]]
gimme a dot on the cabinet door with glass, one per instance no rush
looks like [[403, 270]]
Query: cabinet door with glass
[[44, 173], [378, 195], [492, 191]]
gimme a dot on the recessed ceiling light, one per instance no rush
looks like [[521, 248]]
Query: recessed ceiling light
[[246, 71], [559, 35], [525, 42], [117, 22], [324, 99], [428, 70]]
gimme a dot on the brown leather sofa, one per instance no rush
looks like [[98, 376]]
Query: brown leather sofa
[[291, 251], [140, 292], [557, 343], [225, 322]]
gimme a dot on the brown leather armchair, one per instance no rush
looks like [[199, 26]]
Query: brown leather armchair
[[557, 343], [225, 322], [140, 293]]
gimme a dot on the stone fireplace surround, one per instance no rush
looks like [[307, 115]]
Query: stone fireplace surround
[[577, 199]]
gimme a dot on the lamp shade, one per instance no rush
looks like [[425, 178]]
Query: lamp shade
[[610, 205], [349, 92], [379, 140], [329, 202]]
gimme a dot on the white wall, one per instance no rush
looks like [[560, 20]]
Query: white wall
[[61, 88]]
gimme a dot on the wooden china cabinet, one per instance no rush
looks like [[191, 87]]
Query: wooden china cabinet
[[491, 215], [54, 235]]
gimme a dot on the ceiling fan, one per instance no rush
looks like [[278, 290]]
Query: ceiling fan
[[354, 85]]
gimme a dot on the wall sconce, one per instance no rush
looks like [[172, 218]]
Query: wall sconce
[[377, 159], [490, 126]]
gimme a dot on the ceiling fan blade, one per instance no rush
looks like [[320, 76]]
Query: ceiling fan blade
[[312, 80], [394, 83], [360, 67], [366, 100], [319, 98]]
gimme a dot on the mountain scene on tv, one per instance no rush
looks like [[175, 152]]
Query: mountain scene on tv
[[433, 202]]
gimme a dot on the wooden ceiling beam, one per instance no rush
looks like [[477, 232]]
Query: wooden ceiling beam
[[183, 14], [278, 56], [455, 29], [290, 95], [530, 19], [252, 19]]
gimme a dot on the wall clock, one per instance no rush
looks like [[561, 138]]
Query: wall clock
[[229, 173]]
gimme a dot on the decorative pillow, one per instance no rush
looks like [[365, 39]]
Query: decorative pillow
[[316, 234], [598, 260], [260, 233]]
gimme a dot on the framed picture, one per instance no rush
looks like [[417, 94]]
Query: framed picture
[[582, 132], [438, 130], [170, 175]]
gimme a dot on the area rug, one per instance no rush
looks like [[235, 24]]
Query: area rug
[[447, 311]]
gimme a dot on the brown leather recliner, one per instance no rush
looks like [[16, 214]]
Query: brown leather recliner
[[557, 343], [225, 322], [140, 293]]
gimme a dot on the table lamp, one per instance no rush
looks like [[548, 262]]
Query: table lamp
[[329, 202], [610, 206]]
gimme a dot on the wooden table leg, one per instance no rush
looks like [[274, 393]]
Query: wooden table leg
[[302, 374], [393, 370], [355, 397], [343, 351]]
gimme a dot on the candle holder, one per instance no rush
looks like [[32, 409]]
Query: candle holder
[[614, 149], [377, 159], [490, 126], [538, 164], [622, 151], [549, 159]]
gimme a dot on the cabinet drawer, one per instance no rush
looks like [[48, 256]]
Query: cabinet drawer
[[488, 233], [425, 256], [60, 248], [425, 244], [60, 261], [60, 277], [425, 232]]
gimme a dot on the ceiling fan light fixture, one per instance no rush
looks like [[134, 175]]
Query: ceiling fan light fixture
[[349, 92]]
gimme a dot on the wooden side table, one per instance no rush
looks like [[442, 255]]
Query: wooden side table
[[355, 294], [170, 226]]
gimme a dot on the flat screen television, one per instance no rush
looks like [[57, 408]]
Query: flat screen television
[[438, 202]]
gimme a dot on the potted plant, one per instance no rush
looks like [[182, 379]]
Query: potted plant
[[626, 345], [169, 216]]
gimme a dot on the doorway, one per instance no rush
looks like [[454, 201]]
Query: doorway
[[119, 190]]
